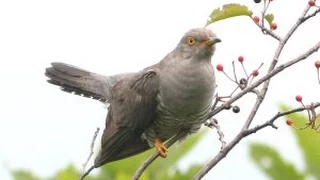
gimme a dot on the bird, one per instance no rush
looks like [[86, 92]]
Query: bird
[[150, 106]]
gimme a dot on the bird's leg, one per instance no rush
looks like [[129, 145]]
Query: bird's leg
[[160, 148]]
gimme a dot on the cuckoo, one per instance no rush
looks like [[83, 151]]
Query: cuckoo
[[148, 107]]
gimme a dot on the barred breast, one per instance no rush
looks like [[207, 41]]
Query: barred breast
[[185, 98]]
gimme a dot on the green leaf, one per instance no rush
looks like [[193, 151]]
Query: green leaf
[[228, 11], [269, 18], [271, 163], [308, 140]]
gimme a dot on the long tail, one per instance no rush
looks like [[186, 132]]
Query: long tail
[[81, 82]]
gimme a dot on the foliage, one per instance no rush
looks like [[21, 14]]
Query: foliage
[[269, 160], [234, 10], [228, 11], [124, 169]]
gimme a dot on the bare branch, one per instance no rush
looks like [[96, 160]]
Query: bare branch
[[243, 134], [269, 32], [85, 173], [310, 15], [271, 121], [260, 96], [213, 123]]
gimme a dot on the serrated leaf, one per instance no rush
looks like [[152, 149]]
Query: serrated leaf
[[271, 163], [228, 11], [308, 140], [269, 18]]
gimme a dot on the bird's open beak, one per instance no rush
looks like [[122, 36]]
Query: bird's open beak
[[212, 41]]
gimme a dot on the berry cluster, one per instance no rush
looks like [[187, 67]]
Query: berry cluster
[[313, 116], [273, 25], [256, 19], [241, 84]]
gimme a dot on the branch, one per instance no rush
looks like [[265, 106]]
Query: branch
[[260, 96], [85, 173], [144, 166], [213, 123], [269, 32], [271, 121], [244, 133], [310, 15]]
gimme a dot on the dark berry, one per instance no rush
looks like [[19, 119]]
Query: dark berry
[[257, 1], [236, 109], [243, 81]]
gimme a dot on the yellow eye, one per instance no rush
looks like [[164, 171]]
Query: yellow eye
[[191, 41]]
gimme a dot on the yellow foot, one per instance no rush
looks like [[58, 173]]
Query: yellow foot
[[160, 148]]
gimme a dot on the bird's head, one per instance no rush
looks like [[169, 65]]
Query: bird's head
[[198, 43]]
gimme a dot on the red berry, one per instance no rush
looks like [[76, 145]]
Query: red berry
[[312, 2], [274, 26], [256, 19], [219, 67], [289, 122], [240, 59], [317, 64], [255, 73], [298, 98]]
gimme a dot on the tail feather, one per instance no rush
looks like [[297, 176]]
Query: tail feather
[[81, 82]]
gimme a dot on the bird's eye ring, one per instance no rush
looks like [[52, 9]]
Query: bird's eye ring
[[191, 41]]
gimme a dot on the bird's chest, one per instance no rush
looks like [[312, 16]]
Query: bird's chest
[[186, 89]]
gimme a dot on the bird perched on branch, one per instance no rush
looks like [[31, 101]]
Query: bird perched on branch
[[151, 106]]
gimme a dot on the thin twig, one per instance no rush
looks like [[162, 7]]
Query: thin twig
[[310, 15], [85, 173], [144, 166], [318, 75], [213, 123], [263, 14], [269, 32], [229, 77]]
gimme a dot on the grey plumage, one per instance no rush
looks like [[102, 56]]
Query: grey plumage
[[171, 96]]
